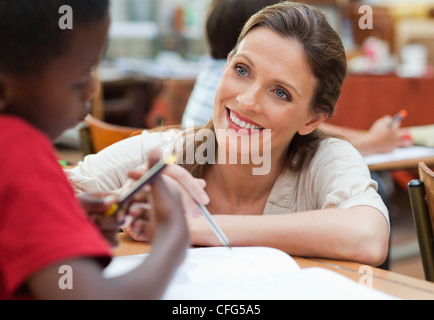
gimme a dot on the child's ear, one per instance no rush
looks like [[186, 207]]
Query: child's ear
[[315, 120]]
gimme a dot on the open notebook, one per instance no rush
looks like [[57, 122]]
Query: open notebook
[[400, 154], [249, 273]]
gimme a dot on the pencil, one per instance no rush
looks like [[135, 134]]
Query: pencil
[[398, 117], [219, 233], [126, 198]]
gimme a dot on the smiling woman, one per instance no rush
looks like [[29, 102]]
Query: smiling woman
[[283, 77]]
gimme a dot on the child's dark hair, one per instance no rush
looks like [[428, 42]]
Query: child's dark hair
[[30, 36]]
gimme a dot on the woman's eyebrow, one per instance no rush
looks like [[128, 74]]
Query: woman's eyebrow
[[247, 58]]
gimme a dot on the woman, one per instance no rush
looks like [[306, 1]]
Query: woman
[[281, 82]]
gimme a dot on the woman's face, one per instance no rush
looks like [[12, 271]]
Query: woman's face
[[267, 84]]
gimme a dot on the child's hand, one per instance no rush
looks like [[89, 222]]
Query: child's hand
[[97, 205]]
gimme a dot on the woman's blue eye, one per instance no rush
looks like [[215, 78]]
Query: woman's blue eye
[[280, 93], [241, 71]]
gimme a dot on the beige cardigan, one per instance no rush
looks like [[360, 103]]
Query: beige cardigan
[[336, 177]]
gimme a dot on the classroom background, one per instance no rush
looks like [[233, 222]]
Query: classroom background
[[156, 49]]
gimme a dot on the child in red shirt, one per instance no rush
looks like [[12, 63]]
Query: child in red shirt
[[46, 81]]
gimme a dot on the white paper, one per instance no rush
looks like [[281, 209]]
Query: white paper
[[400, 154], [249, 273]]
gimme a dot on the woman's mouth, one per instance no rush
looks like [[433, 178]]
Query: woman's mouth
[[237, 122]]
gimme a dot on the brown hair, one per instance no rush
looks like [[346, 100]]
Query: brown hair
[[326, 57], [225, 20]]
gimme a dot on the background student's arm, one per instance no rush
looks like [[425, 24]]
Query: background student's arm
[[380, 137]]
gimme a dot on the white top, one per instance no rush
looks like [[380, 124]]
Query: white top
[[200, 104], [337, 176]]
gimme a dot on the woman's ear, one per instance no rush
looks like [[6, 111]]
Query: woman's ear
[[315, 120]]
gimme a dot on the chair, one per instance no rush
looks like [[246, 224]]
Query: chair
[[97, 134], [421, 194]]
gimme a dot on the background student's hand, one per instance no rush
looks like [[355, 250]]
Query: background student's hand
[[386, 138], [96, 205]]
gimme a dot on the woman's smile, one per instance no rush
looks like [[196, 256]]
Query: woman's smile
[[238, 122]]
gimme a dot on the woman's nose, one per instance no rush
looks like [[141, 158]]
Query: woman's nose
[[250, 98]]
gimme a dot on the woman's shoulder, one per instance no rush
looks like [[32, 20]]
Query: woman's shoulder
[[337, 151], [337, 144], [166, 133], [164, 137]]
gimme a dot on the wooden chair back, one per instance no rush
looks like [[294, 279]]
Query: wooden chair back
[[102, 134], [421, 193]]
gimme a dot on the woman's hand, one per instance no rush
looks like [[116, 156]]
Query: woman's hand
[[191, 189], [178, 179]]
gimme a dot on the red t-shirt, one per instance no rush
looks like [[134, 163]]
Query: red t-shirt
[[41, 222]]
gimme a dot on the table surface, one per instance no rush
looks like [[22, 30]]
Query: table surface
[[392, 283], [401, 164]]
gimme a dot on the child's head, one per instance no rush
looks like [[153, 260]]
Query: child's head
[[46, 71]]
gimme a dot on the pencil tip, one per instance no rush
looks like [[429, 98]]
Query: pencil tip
[[171, 159]]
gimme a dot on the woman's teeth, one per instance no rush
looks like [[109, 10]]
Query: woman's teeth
[[242, 123]]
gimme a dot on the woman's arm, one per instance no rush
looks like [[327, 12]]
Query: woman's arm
[[359, 233]]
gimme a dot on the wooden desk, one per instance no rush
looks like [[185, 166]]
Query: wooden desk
[[389, 282]]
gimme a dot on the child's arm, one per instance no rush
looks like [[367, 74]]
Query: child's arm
[[148, 281]]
